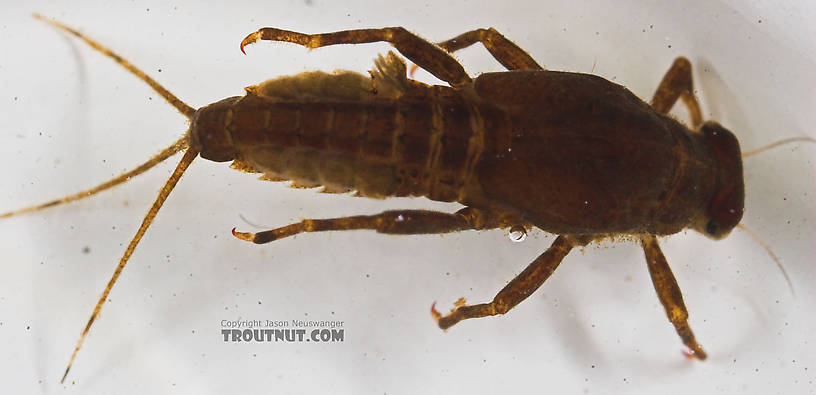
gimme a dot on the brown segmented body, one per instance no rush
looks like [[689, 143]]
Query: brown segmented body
[[425, 142], [570, 153], [578, 145]]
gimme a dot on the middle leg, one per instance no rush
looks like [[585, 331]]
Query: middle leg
[[519, 288], [510, 55]]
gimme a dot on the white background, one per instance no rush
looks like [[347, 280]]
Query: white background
[[72, 118]]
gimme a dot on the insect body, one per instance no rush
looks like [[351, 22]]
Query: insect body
[[569, 153]]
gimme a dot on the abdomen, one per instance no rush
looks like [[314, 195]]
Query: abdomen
[[411, 146]]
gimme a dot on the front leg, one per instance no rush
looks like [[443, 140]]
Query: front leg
[[669, 294], [677, 84]]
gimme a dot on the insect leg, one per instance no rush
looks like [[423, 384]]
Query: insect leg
[[518, 289], [401, 222], [425, 54], [505, 51], [677, 83], [669, 294]]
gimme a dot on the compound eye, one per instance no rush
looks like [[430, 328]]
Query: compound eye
[[726, 209], [712, 227]]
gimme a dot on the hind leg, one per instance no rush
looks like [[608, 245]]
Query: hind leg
[[425, 54], [397, 222]]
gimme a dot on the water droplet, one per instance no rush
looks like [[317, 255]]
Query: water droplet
[[517, 234]]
